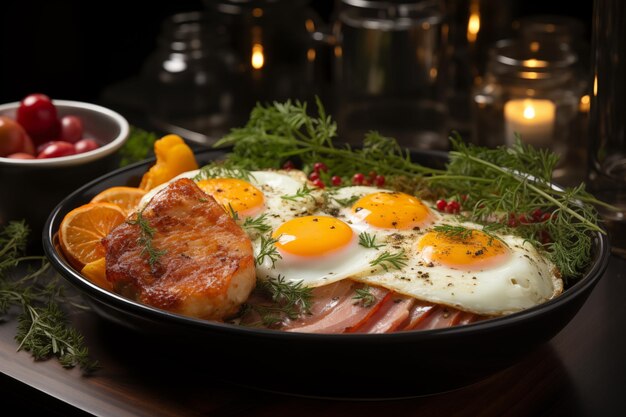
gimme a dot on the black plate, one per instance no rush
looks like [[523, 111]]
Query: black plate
[[397, 365]]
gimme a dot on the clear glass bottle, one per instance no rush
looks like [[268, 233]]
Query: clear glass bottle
[[532, 89]]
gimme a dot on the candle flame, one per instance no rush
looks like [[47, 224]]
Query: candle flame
[[258, 59], [473, 24], [529, 110]]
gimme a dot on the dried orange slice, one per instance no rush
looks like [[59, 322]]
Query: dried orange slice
[[126, 197], [82, 229], [96, 272]]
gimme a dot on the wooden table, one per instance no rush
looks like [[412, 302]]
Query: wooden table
[[581, 372]]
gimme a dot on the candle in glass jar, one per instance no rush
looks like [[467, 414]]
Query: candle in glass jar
[[533, 119]]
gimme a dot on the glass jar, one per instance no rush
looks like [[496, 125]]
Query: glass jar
[[531, 89], [390, 69]]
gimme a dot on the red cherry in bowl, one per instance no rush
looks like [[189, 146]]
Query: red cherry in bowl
[[56, 149], [38, 116], [86, 145]]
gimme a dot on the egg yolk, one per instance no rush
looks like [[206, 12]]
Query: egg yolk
[[476, 250], [242, 196], [312, 235], [392, 211]]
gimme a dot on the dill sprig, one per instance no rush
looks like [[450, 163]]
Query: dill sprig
[[387, 260], [368, 241], [302, 192], [498, 182], [289, 300], [258, 223], [268, 250], [145, 239], [42, 328], [364, 296]]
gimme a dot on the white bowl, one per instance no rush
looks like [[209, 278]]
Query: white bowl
[[109, 129]]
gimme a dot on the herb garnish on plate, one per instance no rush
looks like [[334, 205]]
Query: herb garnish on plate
[[495, 185]]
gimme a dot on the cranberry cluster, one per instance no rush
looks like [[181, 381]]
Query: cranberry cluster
[[357, 179]]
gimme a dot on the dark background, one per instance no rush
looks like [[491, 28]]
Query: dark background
[[73, 49]]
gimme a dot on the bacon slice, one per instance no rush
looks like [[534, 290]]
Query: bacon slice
[[206, 267]]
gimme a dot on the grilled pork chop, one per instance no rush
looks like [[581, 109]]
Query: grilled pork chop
[[202, 263]]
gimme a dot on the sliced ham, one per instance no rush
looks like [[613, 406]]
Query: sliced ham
[[325, 299], [439, 318], [390, 316], [418, 314], [348, 313]]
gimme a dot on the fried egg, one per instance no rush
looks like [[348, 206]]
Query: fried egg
[[479, 272], [315, 250]]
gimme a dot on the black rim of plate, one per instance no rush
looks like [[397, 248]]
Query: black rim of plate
[[590, 278]]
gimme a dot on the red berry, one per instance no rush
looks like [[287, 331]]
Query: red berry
[[86, 145], [523, 219], [335, 180], [288, 165], [372, 175], [544, 237], [545, 217], [320, 166], [453, 207], [441, 204], [358, 178], [537, 214], [513, 222], [319, 183], [71, 129], [38, 116], [314, 175], [379, 180], [367, 182], [57, 149]]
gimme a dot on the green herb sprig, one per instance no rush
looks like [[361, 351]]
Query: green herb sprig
[[268, 250], [365, 297], [289, 300], [302, 192], [368, 241], [42, 328], [145, 239], [388, 260]]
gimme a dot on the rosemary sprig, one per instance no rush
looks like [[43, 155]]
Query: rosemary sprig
[[300, 193], [386, 260], [368, 241], [257, 223], [145, 239], [42, 326], [364, 296], [233, 213], [268, 250]]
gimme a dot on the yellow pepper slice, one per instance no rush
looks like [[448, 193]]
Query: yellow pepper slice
[[173, 157]]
